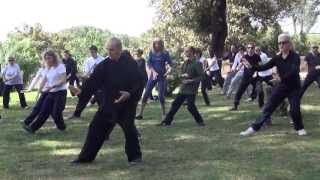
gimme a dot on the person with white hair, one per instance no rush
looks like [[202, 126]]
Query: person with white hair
[[288, 66]]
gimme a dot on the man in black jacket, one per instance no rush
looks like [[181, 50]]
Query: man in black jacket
[[119, 78], [288, 66], [71, 68]]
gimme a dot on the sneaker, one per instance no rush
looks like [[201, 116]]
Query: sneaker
[[249, 100], [302, 132], [139, 117], [25, 107], [248, 132], [135, 162]]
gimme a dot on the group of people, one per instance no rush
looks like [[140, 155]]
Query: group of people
[[118, 82]]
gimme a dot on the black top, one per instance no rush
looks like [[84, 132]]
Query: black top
[[142, 67], [312, 60], [71, 66], [254, 60], [111, 77], [288, 68], [230, 56]]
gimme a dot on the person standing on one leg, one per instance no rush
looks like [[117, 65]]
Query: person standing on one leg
[[313, 61], [205, 82], [12, 78], [158, 61], [53, 98], [229, 56], [119, 78], [288, 66], [191, 73], [253, 60]]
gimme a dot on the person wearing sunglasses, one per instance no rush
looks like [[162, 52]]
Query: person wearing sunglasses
[[248, 60], [313, 61], [12, 77], [288, 66]]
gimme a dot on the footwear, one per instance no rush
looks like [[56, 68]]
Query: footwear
[[249, 100], [62, 128], [163, 124], [233, 109], [201, 124], [73, 117], [302, 132], [139, 117], [248, 132], [135, 162], [78, 161], [25, 107], [27, 128]]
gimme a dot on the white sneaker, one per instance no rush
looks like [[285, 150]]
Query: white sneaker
[[302, 132], [248, 132]]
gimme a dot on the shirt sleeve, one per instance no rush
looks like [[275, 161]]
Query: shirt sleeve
[[199, 72], [266, 66], [61, 69], [168, 58]]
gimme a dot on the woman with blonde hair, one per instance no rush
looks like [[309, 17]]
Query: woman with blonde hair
[[158, 60], [53, 90]]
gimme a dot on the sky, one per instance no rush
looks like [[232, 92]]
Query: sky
[[132, 17]]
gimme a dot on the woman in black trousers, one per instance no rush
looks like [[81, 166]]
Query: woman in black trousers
[[53, 98]]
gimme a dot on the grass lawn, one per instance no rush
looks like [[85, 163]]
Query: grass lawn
[[184, 151]]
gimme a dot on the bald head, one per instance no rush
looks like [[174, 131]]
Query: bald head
[[114, 48]]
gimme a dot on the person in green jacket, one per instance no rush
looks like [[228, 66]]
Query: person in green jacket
[[191, 75]]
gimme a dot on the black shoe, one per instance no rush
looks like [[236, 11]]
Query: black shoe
[[27, 128], [164, 124], [62, 127], [78, 161], [201, 124], [233, 109], [135, 162], [139, 117], [73, 117]]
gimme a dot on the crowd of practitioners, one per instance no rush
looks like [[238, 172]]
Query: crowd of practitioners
[[118, 82]]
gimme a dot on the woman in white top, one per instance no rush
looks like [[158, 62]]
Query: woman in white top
[[12, 77], [53, 98], [214, 70]]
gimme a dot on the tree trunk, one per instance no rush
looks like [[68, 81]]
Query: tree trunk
[[219, 27]]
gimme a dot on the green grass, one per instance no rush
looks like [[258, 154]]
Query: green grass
[[184, 151]]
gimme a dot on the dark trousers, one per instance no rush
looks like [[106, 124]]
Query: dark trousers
[[161, 81], [72, 80], [98, 97], [257, 90], [245, 82], [177, 103], [6, 95], [50, 103], [278, 95], [218, 78], [205, 85], [100, 128], [311, 77]]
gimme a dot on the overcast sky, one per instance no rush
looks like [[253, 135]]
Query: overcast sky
[[131, 17]]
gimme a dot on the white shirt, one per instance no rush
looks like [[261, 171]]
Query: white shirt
[[37, 78], [202, 59], [237, 62], [91, 63], [52, 76], [213, 64], [12, 71], [264, 59]]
